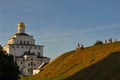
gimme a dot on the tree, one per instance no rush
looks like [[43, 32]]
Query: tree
[[8, 67], [98, 42]]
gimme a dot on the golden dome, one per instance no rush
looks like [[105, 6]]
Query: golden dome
[[21, 24]]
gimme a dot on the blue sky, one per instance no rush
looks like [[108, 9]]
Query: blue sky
[[60, 24]]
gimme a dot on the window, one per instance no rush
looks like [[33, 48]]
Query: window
[[20, 42], [28, 64], [20, 62], [28, 70], [31, 63], [38, 54], [34, 47], [24, 42], [27, 42], [31, 58]]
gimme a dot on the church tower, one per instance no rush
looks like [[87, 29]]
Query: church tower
[[27, 54], [21, 27]]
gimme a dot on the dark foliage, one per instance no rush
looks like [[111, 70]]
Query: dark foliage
[[98, 42], [8, 67]]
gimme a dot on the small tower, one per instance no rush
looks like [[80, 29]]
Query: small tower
[[21, 27]]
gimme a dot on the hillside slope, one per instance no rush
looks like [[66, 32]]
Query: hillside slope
[[100, 62]]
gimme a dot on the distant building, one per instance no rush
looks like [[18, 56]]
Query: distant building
[[28, 55]]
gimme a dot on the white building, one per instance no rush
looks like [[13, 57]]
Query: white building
[[28, 55]]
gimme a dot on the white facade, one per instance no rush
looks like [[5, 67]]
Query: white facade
[[29, 63], [19, 44]]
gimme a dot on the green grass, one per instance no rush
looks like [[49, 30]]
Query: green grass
[[80, 63]]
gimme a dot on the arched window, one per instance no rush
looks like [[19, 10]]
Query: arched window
[[31, 58], [31, 63]]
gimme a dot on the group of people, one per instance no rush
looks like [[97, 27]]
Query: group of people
[[110, 41], [80, 46]]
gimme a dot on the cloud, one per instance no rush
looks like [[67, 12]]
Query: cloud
[[100, 28], [71, 36], [53, 37]]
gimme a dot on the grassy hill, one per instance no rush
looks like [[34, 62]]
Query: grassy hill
[[99, 62]]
